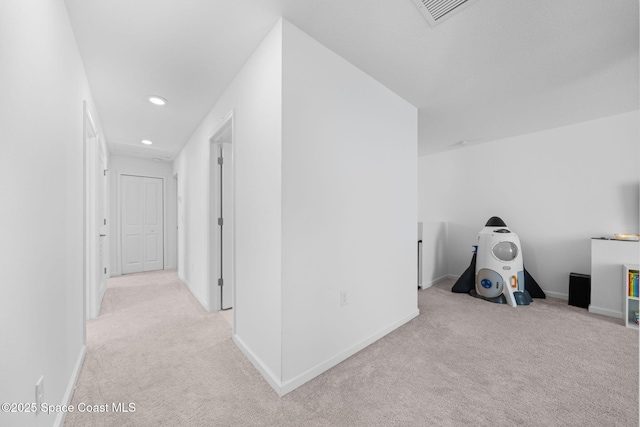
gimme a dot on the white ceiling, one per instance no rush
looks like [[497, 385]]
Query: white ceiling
[[498, 68]]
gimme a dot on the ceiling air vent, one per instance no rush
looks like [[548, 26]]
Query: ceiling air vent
[[436, 11]]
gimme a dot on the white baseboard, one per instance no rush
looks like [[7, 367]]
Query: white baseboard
[[68, 394], [558, 295], [434, 281], [605, 311], [288, 386], [267, 373], [302, 378], [200, 300]]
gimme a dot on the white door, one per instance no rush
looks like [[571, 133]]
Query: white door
[[221, 237], [95, 209], [226, 225], [153, 226], [101, 220], [142, 224]]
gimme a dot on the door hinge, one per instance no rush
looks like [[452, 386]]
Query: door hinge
[[104, 172], [220, 282], [220, 160], [220, 221], [105, 221], [105, 270]]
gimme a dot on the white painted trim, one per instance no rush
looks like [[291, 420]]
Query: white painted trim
[[165, 223], [109, 228], [176, 227], [118, 239], [297, 381], [267, 373], [201, 301], [452, 276], [434, 281], [285, 387], [90, 226], [605, 311], [558, 295], [68, 394], [215, 300]]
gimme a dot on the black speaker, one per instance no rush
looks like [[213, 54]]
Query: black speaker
[[579, 290]]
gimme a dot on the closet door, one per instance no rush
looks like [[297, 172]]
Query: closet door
[[153, 226], [142, 224]]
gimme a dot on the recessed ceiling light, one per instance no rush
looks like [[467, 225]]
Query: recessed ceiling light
[[157, 100], [146, 142]]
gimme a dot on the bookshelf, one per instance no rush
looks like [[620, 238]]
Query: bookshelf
[[608, 289], [631, 290]]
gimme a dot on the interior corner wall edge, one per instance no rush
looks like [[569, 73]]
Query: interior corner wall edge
[[349, 209], [255, 98], [43, 87], [556, 189], [434, 252]]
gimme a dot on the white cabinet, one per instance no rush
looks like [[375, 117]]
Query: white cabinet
[[607, 257], [630, 288]]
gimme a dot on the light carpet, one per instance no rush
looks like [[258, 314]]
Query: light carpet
[[462, 361]]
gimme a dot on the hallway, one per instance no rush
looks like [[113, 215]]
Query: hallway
[[154, 345]]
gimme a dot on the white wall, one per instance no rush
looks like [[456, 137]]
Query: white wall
[[122, 165], [556, 189], [43, 86], [255, 98], [434, 252], [349, 224], [325, 201]]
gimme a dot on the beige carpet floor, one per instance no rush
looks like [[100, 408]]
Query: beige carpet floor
[[461, 362]]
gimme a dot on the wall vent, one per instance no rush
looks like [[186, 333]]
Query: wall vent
[[436, 11]]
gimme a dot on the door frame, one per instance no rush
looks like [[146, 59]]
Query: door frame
[[215, 294], [178, 228], [119, 216], [104, 180], [92, 151]]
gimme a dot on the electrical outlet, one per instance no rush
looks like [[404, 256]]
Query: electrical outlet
[[344, 298], [39, 393]]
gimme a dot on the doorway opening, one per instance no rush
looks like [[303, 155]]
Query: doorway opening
[[96, 245], [221, 219], [178, 229]]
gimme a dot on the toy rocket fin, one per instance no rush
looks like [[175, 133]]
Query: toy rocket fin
[[508, 294]]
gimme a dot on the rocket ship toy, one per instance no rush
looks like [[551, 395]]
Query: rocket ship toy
[[497, 271]]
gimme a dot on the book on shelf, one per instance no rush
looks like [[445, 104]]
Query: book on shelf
[[633, 283]]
